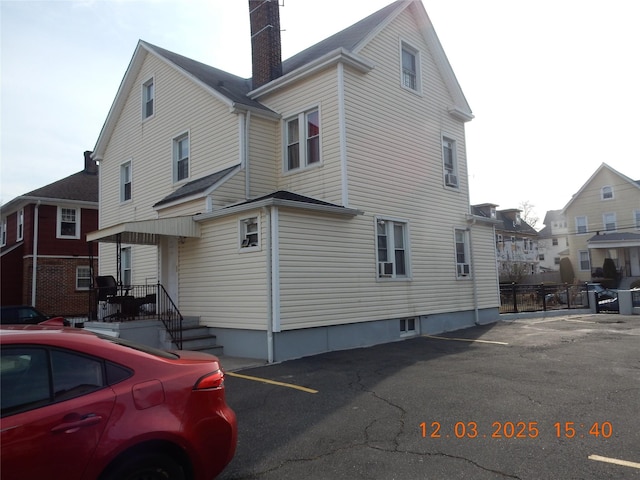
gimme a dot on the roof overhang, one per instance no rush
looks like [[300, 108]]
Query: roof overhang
[[601, 241], [146, 232]]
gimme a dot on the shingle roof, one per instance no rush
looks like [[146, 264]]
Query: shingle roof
[[81, 186], [196, 186], [614, 237], [294, 197]]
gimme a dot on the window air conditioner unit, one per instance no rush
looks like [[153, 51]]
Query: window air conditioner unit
[[463, 269], [451, 180], [385, 269]]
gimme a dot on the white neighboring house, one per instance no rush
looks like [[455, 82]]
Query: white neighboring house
[[553, 241], [321, 205]]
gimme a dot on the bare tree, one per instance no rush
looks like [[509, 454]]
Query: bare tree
[[528, 214]]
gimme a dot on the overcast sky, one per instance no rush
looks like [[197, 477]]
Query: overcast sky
[[553, 84]]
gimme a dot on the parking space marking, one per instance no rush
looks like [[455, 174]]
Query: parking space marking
[[271, 382], [578, 321], [624, 463], [471, 340]]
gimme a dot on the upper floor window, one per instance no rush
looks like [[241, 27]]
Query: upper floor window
[[581, 224], [392, 249], [68, 222], [410, 68], [303, 140], [463, 268], [249, 237], [3, 232], [148, 97], [83, 278], [554, 242], [181, 157], [20, 225], [606, 193], [609, 221], [450, 161], [636, 215], [125, 181]]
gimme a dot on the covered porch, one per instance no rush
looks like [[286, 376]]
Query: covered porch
[[623, 248]]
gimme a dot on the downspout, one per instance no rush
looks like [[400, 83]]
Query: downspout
[[245, 154], [34, 265], [342, 128], [267, 213], [476, 312]]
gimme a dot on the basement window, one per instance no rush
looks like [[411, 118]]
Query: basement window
[[407, 326]]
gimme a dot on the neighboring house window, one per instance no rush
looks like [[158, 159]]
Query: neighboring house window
[[556, 260], [125, 181], [181, 157], [83, 278], [607, 193], [541, 257], [392, 251], [148, 97], [609, 221], [449, 158], [636, 216], [463, 268], [581, 224], [3, 233], [125, 266], [585, 263], [554, 242], [68, 222], [249, 233], [303, 140], [410, 68], [20, 220]]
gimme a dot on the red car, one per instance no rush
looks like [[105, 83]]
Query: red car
[[77, 405]]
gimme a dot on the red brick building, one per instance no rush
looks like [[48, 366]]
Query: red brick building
[[45, 260]]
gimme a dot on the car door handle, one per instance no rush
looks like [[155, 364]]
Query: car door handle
[[72, 427]]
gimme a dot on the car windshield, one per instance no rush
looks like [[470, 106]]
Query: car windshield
[[141, 348]]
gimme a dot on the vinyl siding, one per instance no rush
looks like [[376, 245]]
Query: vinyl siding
[[264, 164]]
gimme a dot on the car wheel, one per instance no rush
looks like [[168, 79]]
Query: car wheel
[[148, 466]]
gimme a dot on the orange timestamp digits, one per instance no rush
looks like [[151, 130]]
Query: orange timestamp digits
[[515, 430]]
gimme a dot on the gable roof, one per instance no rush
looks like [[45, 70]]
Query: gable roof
[[635, 183]]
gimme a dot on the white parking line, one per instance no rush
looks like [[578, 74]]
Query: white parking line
[[624, 463], [466, 340]]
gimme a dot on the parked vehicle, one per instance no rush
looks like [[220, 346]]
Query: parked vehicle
[[78, 405], [21, 314]]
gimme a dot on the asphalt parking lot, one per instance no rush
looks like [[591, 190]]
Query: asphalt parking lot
[[541, 398]]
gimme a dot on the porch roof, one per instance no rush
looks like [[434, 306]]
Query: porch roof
[[146, 232], [615, 240]]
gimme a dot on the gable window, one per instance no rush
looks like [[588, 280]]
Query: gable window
[[249, 238], [585, 262], [581, 224], [181, 157], [410, 68], [83, 278], [449, 158], [125, 181], [20, 224], [392, 249], [609, 221], [303, 140], [463, 268], [3, 233], [148, 96], [606, 193], [125, 266], [68, 222]]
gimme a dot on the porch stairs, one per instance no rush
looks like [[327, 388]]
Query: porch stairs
[[198, 337]]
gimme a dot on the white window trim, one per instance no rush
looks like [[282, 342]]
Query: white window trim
[[636, 219], [20, 225], [122, 181], [143, 98], [448, 181], [302, 141], [406, 331], [122, 266], [59, 223], [174, 156], [242, 234], [604, 221], [586, 224], [407, 250], [580, 261], [602, 193], [78, 277], [463, 270], [405, 45]]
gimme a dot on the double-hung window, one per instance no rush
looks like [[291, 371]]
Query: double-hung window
[[463, 257], [609, 221], [249, 237], [125, 181], [410, 68], [181, 157], [303, 140], [585, 262], [83, 278], [581, 224], [125, 266], [392, 248], [450, 162], [148, 97], [636, 215], [68, 222], [606, 193], [20, 225]]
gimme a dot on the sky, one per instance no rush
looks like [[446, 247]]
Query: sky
[[554, 84]]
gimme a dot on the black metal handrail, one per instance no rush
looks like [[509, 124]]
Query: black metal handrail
[[170, 316], [516, 298]]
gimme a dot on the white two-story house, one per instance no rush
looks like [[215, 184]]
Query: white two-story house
[[553, 241], [322, 204]]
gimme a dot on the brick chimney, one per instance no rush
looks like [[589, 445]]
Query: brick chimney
[[90, 165], [266, 56]]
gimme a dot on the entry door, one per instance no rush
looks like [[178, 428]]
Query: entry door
[[169, 266], [634, 256]]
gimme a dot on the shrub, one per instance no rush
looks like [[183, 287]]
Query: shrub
[[566, 271], [609, 268]]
